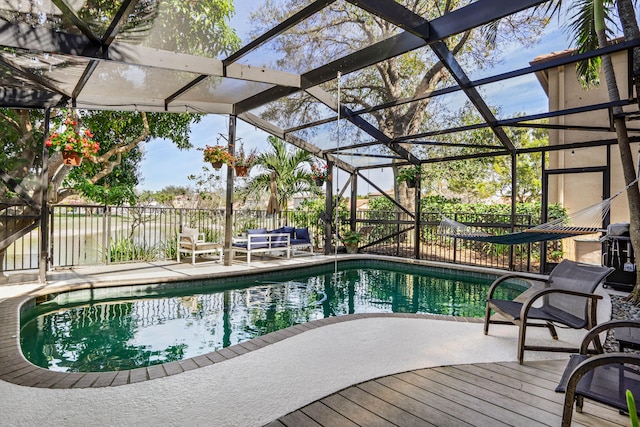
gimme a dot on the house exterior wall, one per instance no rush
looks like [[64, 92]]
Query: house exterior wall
[[578, 191]]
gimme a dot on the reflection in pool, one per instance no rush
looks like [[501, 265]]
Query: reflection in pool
[[129, 327]]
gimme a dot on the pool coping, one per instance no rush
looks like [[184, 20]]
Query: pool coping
[[16, 369]]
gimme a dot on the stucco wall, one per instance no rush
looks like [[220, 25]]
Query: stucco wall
[[577, 191]]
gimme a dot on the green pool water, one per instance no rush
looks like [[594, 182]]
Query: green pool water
[[134, 326]]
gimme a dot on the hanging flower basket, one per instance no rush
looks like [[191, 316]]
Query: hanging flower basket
[[242, 171], [244, 161], [71, 158], [73, 142], [217, 156], [320, 174], [409, 175]]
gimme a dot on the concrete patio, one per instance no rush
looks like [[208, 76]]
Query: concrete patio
[[269, 381]]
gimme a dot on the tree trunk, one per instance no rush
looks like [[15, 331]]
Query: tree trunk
[[631, 32], [624, 145]]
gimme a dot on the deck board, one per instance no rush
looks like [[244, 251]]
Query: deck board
[[490, 394], [357, 414], [326, 416], [510, 399], [381, 408]]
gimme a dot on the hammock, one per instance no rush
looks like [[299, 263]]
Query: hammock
[[586, 221]]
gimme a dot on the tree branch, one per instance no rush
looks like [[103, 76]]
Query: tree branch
[[118, 150], [14, 124]]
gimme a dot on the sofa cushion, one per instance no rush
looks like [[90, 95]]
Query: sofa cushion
[[303, 234], [290, 230], [295, 242], [256, 231], [279, 242]]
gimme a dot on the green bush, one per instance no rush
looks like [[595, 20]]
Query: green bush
[[170, 248], [125, 249]]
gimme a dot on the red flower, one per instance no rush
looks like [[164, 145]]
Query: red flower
[[69, 137], [320, 172]]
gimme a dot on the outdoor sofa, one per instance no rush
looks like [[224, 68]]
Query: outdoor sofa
[[283, 240]]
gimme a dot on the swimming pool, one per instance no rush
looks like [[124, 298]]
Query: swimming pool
[[128, 327]]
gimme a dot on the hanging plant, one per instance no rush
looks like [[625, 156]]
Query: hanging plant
[[410, 175], [320, 174], [74, 142], [244, 161], [217, 156]]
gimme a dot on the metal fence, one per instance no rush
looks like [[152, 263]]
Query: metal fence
[[94, 235], [23, 253], [393, 233], [86, 235]]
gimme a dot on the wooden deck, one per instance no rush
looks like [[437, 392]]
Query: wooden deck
[[490, 394]]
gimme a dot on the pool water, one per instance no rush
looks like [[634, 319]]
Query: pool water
[[130, 327]]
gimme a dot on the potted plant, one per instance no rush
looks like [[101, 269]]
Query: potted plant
[[244, 161], [73, 142], [410, 175], [320, 174], [351, 238], [217, 156]]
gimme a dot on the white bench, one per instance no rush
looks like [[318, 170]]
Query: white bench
[[262, 243], [192, 242]]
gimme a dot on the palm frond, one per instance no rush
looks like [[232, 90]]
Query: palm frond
[[582, 24], [490, 32]]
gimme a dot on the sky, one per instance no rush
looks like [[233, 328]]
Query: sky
[[165, 165]]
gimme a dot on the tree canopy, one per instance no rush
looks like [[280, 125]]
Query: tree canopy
[[342, 28], [112, 177]]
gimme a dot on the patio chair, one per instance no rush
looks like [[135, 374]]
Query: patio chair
[[603, 378], [192, 242], [567, 298]]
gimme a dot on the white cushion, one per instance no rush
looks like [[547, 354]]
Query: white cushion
[[186, 231]]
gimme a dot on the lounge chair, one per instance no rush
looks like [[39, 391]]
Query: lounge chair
[[567, 298], [603, 378], [191, 241]]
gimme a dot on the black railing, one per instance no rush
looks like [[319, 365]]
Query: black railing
[[22, 254], [93, 235], [393, 233]]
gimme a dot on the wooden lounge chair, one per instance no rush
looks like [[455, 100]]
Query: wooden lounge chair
[[192, 242], [567, 298], [603, 378]]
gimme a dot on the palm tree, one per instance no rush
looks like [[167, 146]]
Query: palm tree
[[291, 175], [589, 26]]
